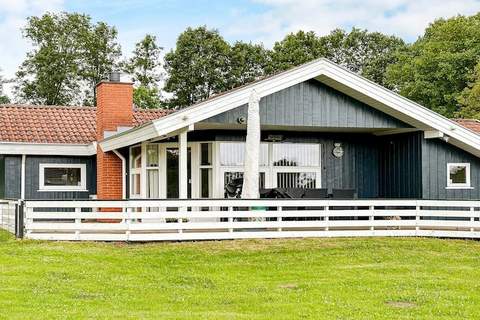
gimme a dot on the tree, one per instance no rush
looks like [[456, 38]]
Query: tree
[[68, 53], [367, 53], [436, 69], [144, 66], [3, 98], [295, 49], [469, 98], [363, 52], [100, 57], [247, 63], [198, 67]]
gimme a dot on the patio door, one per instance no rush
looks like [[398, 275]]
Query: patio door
[[172, 171]]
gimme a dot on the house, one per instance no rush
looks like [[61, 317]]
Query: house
[[322, 126]]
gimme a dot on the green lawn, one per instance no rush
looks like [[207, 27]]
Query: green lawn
[[374, 278]]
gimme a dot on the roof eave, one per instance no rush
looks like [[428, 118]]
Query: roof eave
[[51, 149]]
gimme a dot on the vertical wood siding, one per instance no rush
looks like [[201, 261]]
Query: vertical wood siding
[[400, 166], [32, 178], [13, 169], [313, 104], [435, 155]]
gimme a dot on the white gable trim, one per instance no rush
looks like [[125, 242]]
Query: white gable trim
[[324, 71], [51, 149]]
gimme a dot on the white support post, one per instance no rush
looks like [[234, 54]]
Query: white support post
[[182, 165], [182, 170], [128, 221], [417, 218], [472, 218], [78, 222], [230, 219], [279, 219], [327, 209], [372, 217]]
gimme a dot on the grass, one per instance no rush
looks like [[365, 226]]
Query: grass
[[372, 278]]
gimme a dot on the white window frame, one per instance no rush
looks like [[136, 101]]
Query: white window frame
[[83, 177], [270, 170], [466, 185]]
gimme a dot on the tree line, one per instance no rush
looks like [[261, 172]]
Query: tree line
[[71, 54]]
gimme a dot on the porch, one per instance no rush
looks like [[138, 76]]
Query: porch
[[366, 164], [211, 219]]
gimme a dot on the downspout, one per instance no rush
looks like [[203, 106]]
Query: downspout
[[124, 173]]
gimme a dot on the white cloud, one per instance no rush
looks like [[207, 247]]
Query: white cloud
[[12, 18], [405, 18]]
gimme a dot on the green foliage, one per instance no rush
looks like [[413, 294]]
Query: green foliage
[[69, 53], [147, 97], [144, 66], [198, 67], [367, 53], [469, 98], [3, 99], [247, 63], [295, 49], [436, 69], [100, 56]]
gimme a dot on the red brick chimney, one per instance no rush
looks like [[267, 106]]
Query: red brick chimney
[[114, 110]]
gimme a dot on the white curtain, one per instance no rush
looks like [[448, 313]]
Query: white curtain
[[252, 149]]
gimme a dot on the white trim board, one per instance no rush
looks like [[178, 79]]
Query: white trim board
[[322, 70], [54, 149]]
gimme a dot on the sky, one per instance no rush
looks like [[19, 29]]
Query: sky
[[263, 21]]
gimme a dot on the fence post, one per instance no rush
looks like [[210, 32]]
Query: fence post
[[19, 219], [417, 217]]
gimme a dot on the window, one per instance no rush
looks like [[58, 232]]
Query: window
[[135, 170], [233, 154], [62, 177], [296, 155], [458, 175]]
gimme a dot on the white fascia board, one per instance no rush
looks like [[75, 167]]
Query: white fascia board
[[130, 137], [54, 149], [323, 70]]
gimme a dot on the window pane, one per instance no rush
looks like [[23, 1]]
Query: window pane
[[136, 153], [205, 184], [62, 177], [296, 154], [233, 154], [152, 184], [206, 154], [304, 180], [229, 176], [135, 183], [458, 174], [152, 155]]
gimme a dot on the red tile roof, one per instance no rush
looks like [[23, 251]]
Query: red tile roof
[[471, 124], [57, 124]]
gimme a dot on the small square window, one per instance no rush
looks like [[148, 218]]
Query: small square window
[[458, 175]]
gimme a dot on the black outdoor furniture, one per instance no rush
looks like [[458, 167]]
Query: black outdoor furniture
[[343, 193], [315, 193]]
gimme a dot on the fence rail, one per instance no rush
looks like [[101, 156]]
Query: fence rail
[[158, 220], [7, 215]]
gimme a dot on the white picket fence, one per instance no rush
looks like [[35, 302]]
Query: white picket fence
[[206, 219], [7, 215]]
